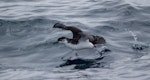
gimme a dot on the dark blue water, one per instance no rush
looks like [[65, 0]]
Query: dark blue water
[[27, 40]]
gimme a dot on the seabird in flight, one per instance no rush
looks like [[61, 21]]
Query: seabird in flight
[[80, 39]]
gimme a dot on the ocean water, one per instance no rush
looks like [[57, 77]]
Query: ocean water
[[27, 40]]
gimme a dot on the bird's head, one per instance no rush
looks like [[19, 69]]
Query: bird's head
[[62, 39]]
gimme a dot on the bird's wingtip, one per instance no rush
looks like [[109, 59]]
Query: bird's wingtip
[[58, 25]]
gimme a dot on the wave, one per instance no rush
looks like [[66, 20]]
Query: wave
[[18, 27], [31, 43]]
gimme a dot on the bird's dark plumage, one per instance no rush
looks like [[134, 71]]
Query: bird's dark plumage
[[77, 34]]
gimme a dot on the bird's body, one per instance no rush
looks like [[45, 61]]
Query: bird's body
[[81, 45], [80, 39]]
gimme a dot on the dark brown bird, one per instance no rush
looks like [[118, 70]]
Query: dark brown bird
[[79, 37]]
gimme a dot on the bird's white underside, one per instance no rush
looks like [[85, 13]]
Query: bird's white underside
[[80, 45]]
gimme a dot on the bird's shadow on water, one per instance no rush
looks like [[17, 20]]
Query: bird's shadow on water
[[82, 64]]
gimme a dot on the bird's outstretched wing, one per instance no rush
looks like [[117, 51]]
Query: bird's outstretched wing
[[75, 31], [79, 35]]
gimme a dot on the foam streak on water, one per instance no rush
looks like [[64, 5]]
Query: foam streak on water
[[29, 51]]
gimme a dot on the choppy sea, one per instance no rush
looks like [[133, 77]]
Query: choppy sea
[[27, 40]]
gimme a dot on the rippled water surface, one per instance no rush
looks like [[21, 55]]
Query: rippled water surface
[[27, 40]]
